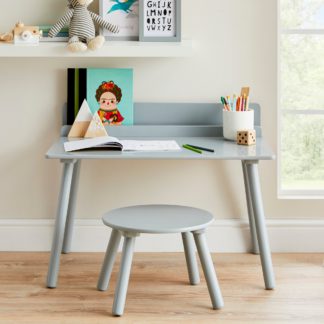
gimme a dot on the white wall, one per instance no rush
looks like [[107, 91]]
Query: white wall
[[235, 46]]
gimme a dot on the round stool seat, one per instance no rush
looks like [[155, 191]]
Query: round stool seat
[[158, 219]]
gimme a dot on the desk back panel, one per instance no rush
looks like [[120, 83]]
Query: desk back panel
[[174, 120], [183, 114]]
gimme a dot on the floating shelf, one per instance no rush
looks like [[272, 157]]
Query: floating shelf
[[110, 49]]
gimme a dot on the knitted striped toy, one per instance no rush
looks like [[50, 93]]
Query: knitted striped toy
[[82, 29]]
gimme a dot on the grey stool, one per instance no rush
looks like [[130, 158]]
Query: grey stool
[[158, 219]]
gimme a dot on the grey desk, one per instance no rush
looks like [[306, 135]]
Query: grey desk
[[177, 122]]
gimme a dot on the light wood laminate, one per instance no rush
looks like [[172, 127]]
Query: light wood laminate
[[159, 291]]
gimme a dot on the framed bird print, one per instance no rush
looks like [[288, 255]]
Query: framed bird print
[[160, 20], [124, 14]]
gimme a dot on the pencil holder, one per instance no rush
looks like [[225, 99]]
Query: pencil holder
[[234, 121]]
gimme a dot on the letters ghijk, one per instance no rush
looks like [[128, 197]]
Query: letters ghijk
[[159, 4]]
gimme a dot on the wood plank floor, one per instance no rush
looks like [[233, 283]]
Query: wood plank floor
[[159, 290]]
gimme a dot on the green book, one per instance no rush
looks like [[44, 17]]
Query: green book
[[46, 28]]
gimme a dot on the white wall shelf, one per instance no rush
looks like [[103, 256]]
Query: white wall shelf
[[110, 49]]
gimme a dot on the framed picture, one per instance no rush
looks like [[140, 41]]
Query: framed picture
[[160, 20], [123, 13], [107, 91]]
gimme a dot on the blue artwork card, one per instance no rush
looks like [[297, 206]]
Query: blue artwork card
[[110, 94]]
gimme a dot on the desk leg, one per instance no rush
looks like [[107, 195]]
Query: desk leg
[[261, 230], [67, 242], [54, 264], [254, 240]]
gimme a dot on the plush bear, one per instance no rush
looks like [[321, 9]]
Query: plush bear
[[82, 34]]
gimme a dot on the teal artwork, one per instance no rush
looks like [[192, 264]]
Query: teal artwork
[[110, 94], [124, 6]]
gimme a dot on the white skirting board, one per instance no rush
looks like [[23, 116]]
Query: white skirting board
[[228, 236]]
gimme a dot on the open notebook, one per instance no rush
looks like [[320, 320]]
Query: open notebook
[[114, 144]]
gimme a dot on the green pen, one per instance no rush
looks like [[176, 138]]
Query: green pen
[[188, 147]]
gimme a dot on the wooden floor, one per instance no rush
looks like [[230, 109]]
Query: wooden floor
[[159, 290]]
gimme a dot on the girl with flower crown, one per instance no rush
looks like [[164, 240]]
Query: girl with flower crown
[[109, 96]]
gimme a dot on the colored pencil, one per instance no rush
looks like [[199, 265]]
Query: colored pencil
[[187, 147], [201, 148]]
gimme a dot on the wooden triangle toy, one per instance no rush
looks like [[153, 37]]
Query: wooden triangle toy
[[82, 121], [96, 128]]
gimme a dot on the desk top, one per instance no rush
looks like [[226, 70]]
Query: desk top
[[224, 150]]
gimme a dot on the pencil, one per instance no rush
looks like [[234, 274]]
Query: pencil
[[201, 148], [188, 147], [247, 103], [238, 104]]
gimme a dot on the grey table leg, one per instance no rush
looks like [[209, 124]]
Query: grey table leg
[[71, 209], [209, 270], [124, 273], [254, 240], [261, 230], [190, 253], [54, 264], [109, 261]]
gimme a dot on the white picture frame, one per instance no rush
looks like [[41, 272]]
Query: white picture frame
[[124, 14], [160, 21]]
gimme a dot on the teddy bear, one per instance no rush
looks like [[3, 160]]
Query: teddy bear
[[82, 34]]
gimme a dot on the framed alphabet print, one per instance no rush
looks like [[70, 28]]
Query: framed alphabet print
[[124, 14], [160, 20]]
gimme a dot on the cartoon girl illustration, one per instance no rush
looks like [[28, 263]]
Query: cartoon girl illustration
[[109, 96]]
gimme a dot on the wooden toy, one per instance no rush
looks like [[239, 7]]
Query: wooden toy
[[82, 121], [86, 124], [96, 128], [26, 35], [7, 37], [246, 137]]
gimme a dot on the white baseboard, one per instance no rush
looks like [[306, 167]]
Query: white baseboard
[[224, 236]]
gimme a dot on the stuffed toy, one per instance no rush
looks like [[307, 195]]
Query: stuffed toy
[[82, 34]]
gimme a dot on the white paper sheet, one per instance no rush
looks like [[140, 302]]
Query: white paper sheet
[[153, 146]]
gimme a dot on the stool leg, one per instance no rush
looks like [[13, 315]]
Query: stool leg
[[109, 261], [190, 253], [124, 272], [209, 271]]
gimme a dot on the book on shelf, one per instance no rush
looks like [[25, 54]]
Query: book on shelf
[[62, 36], [54, 39], [46, 28], [114, 144]]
